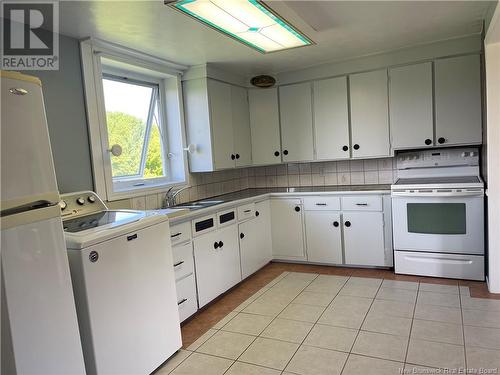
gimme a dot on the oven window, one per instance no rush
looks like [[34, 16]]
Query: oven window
[[436, 218]]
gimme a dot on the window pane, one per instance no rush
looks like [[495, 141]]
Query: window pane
[[127, 108], [436, 218], [154, 158]]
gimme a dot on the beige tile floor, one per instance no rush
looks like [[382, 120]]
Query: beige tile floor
[[311, 324]]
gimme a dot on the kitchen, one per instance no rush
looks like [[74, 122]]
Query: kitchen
[[327, 204]]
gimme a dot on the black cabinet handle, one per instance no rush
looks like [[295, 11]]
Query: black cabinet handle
[[285, 152], [428, 141], [242, 235], [221, 243], [297, 208], [237, 156], [178, 263], [132, 237], [320, 204], [335, 224], [345, 148], [276, 153], [347, 224], [216, 245], [257, 213], [361, 204], [181, 301], [233, 157], [441, 140], [356, 147], [176, 235], [247, 211]]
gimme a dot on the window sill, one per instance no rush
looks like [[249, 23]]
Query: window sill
[[141, 191]]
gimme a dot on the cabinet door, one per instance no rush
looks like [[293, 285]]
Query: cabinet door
[[364, 238], [221, 124], [410, 103], [369, 114], [458, 100], [250, 257], [241, 126], [264, 126], [286, 227], [264, 238], [323, 234], [331, 119], [296, 122], [217, 262]]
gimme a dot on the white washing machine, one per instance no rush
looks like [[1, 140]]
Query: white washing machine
[[124, 285]]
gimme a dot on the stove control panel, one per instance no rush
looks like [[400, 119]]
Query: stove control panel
[[448, 157], [80, 204]]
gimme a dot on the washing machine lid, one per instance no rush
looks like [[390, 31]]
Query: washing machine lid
[[107, 218]]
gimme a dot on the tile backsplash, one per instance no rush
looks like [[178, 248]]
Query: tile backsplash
[[205, 185]]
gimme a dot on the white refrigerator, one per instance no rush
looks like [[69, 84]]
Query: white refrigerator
[[39, 328]]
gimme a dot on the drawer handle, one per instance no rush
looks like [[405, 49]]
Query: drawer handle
[[178, 263], [216, 245], [176, 235], [321, 204], [361, 204], [247, 211], [132, 237], [181, 301], [221, 243]]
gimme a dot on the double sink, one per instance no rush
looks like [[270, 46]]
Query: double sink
[[198, 205]]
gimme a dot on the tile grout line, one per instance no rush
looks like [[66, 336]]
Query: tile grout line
[[463, 327], [411, 325], [274, 318], [359, 329]]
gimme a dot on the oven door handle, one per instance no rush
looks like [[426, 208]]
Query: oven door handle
[[438, 194]]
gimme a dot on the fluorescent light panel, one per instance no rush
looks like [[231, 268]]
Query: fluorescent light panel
[[248, 21]]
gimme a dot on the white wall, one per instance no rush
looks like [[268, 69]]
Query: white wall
[[492, 57]]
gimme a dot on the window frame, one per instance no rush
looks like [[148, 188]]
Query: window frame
[[100, 60]]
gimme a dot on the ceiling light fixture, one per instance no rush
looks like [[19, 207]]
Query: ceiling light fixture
[[248, 21]]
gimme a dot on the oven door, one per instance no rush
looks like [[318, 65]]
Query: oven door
[[433, 222]]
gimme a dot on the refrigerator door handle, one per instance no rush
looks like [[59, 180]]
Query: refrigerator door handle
[[28, 207]]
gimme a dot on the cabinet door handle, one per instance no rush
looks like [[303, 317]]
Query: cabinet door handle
[[335, 224], [181, 301], [441, 140], [297, 208], [221, 243], [356, 147], [276, 153], [257, 213], [132, 237], [320, 204], [345, 148], [237, 156], [178, 263], [233, 156], [428, 141], [216, 245], [176, 235], [242, 235], [347, 224], [361, 204], [285, 152]]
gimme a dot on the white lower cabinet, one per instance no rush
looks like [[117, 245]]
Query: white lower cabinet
[[186, 297], [217, 261], [255, 240], [324, 237], [287, 229], [364, 238]]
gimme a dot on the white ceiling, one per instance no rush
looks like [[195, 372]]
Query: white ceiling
[[341, 30]]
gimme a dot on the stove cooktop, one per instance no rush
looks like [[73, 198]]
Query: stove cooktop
[[438, 180]]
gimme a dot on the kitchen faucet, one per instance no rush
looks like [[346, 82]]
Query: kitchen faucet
[[170, 197]]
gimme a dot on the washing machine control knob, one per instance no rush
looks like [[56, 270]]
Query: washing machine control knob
[[80, 201]]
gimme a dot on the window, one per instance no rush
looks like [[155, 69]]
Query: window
[[136, 134]]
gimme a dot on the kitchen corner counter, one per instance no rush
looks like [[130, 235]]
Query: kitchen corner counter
[[255, 194]]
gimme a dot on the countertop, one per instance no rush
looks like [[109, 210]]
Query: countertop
[[249, 195]]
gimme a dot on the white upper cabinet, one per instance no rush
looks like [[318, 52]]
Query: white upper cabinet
[[331, 119], [296, 122], [410, 103], [369, 114], [241, 126], [219, 95], [458, 100], [264, 126], [218, 124]]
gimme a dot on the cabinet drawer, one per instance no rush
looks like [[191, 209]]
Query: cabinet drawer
[[246, 211], [362, 203], [186, 297], [320, 203], [183, 260], [180, 233]]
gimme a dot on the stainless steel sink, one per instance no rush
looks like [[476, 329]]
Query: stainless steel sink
[[198, 205]]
